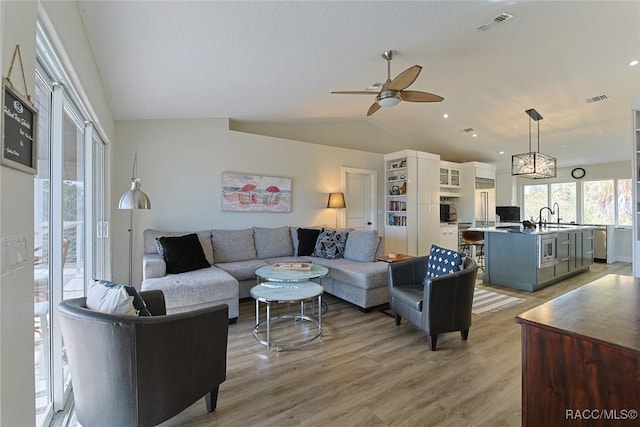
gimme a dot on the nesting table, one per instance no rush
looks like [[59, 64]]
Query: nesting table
[[278, 286]]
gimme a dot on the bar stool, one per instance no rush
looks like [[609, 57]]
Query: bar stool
[[475, 238]]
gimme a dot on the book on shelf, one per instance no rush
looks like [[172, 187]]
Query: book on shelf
[[300, 266]]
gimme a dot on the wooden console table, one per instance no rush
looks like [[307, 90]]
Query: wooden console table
[[581, 356]]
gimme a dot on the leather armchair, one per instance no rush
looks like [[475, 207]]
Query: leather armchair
[[443, 304], [141, 371]]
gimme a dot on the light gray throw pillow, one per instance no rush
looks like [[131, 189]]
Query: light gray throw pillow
[[362, 245], [233, 245], [272, 242]]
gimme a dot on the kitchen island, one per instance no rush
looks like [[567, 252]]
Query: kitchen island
[[532, 259]]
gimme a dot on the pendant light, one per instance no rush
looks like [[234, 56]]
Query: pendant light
[[533, 164]]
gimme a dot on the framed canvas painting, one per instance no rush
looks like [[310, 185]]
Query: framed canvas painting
[[243, 192]]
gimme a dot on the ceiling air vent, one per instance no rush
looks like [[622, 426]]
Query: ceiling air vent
[[467, 130], [504, 16], [598, 98]]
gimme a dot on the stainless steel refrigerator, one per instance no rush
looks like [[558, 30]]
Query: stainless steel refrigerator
[[485, 202]]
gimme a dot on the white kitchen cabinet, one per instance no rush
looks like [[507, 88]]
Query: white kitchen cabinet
[[428, 230], [449, 176], [428, 187], [449, 236], [411, 180]]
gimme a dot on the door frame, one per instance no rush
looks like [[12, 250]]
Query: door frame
[[373, 196]]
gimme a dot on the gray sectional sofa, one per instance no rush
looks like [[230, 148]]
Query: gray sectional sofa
[[234, 255]]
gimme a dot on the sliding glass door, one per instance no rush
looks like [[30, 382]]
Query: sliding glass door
[[42, 252], [71, 230]]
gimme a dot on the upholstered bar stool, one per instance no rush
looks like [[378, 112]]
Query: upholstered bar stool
[[475, 238]]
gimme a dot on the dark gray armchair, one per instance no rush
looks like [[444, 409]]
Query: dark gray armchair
[[141, 371], [441, 305]]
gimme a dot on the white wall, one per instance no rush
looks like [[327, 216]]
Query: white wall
[[16, 218], [18, 26], [181, 162]]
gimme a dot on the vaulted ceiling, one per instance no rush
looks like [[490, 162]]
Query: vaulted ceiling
[[271, 66]]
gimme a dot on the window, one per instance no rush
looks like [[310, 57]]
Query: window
[[598, 202], [625, 213], [535, 197], [604, 202], [564, 194]]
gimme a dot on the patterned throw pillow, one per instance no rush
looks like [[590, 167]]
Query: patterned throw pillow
[[331, 244], [115, 298], [443, 261]]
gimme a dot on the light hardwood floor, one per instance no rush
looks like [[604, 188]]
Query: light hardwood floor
[[366, 371]]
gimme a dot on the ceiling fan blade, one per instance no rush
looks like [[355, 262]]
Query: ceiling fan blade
[[356, 92], [417, 96], [405, 78], [374, 107]]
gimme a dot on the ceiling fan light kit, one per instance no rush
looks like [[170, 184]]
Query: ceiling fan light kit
[[393, 91], [389, 99], [534, 164]]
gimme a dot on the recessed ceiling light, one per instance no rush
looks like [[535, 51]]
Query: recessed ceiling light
[[474, 135], [502, 152], [634, 62], [445, 115]]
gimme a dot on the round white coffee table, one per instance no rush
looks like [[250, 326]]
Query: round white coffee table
[[271, 274], [269, 293]]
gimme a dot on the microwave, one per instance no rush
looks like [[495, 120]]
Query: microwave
[[547, 251], [447, 213]]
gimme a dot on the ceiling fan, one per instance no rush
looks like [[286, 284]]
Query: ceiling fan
[[393, 91]]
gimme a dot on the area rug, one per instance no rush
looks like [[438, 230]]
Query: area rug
[[485, 302]]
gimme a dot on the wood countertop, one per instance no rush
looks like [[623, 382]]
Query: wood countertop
[[605, 310]]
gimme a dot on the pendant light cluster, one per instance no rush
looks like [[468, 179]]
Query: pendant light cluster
[[534, 164]]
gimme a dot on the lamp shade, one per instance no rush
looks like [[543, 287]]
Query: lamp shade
[[134, 198], [534, 165], [336, 200]]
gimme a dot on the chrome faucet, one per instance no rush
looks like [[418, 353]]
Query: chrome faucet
[[541, 209], [556, 209]]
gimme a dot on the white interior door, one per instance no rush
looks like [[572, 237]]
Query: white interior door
[[359, 187]]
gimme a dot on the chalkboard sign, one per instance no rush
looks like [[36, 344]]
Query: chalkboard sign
[[19, 148]]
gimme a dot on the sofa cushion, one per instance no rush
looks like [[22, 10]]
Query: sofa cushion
[[194, 288], [272, 242], [138, 301], [151, 247], [242, 270], [365, 275], [443, 261], [233, 245], [331, 244], [362, 245], [307, 238], [183, 253]]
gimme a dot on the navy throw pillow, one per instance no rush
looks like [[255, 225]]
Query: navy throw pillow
[[443, 261]]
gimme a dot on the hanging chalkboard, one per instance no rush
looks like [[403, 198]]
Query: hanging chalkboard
[[19, 148]]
